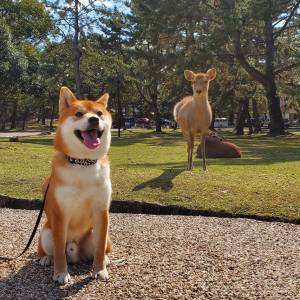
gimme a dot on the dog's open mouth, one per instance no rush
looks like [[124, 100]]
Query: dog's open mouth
[[90, 138]]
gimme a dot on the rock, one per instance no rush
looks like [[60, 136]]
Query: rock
[[217, 148]]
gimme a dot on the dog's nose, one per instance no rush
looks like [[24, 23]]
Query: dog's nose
[[198, 91], [94, 121]]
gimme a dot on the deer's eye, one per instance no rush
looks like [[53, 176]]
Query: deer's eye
[[99, 113], [79, 114]]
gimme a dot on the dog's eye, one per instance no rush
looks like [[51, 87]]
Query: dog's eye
[[99, 113], [79, 114]]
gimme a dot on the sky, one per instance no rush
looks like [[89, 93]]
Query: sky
[[66, 29]]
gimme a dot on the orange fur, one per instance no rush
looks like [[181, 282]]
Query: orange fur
[[68, 224]]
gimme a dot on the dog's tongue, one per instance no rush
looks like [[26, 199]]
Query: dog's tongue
[[90, 138]]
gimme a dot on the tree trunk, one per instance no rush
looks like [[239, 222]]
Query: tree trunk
[[52, 115], [266, 79], [242, 115], [257, 125], [43, 115], [154, 100], [249, 121], [232, 108], [119, 106], [276, 125], [133, 110], [13, 118], [76, 51], [157, 115], [3, 124], [276, 120], [24, 118]]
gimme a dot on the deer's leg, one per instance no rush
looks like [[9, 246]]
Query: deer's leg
[[203, 152], [190, 148]]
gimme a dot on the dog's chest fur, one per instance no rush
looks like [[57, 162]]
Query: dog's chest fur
[[83, 189]]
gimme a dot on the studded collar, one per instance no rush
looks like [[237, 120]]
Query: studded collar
[[80, 161]]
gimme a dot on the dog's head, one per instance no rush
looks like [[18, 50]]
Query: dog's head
[[84, 126]]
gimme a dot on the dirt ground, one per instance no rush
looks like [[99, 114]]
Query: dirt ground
[[164, 257]]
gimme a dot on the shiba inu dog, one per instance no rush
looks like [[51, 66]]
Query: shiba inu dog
[[79, 192]]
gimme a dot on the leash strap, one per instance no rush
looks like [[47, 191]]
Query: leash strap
[[33, 231]]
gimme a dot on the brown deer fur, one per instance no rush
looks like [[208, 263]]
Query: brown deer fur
[[217, 148], [193, 113]]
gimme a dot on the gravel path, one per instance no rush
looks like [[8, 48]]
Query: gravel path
[[165, 257]]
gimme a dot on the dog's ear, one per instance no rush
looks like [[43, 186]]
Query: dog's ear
[[66, 98], [103, 99]]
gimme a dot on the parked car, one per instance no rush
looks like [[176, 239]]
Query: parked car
[[221, 123], [166, 123], [129, 122], [142, 122]]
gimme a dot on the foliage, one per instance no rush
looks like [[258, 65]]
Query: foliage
[[137, 51]]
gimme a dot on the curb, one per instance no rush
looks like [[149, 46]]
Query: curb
[[137, 207]]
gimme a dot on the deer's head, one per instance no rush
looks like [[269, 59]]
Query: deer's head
[[200, 81]]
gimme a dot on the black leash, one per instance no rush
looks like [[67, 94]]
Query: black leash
[[2, 258]]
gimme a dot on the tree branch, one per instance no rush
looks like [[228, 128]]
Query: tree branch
[[287, 68], [276, 34], [141, 93], [259, 76]]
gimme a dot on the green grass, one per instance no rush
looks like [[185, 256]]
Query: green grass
[[150, 167]]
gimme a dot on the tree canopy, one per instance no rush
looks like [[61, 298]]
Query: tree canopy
[[137, 51]]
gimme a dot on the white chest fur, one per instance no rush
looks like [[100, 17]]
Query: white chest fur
[[82, 185]]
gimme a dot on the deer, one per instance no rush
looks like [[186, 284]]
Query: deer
[[193, 113]]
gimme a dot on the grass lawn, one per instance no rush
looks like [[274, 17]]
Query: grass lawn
[[152, 168]]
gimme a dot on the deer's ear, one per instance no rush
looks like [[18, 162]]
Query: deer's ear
[[211, 74], [103, 99], [66, 98], [189, 75]]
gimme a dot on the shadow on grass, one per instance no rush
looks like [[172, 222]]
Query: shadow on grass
[[38, 141], [163, 181], [36, 282]]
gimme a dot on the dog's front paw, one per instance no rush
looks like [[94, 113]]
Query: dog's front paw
[[62, 278], [46, 260], [107, 260], [101, 274]]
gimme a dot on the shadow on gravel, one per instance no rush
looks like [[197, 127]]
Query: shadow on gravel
[[35, 282]]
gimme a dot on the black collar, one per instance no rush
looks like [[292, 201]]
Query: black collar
[[81, 161]]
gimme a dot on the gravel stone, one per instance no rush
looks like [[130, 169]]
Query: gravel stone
[[164, 257]]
